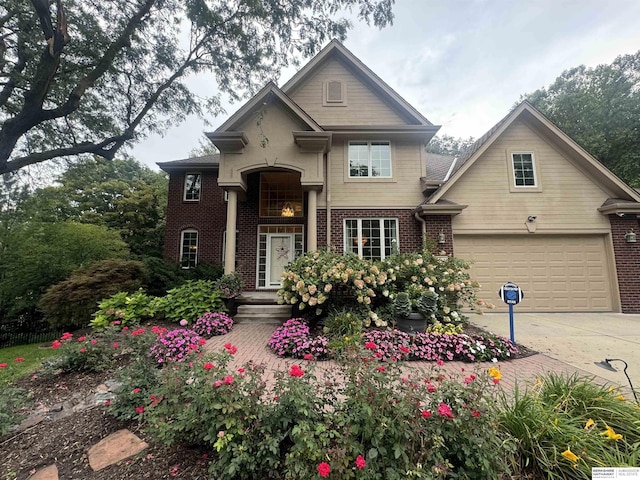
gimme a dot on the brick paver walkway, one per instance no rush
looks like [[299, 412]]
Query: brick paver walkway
[[252, 340]]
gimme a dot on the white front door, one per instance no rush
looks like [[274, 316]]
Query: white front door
[[280, 251]]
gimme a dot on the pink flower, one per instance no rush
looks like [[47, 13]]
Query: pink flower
[[140, 410], [404, 349], [469, 379], [232, 349], [125, 328], [360, 462], [107, 403], [202, 341], [445, 410], [217, 383], [380, 369], [137, 332], [136, 390], [370, 346], [228, 379], [425, 413], [208, 366], [3, 365], [115, 345], [241, 370], [82, 339], [193, 346], [184, 323], [56, 344], [93, 341], [475, 413], [66, 336], [324, 469], [296, 371], [308, 356], [83, 350], [19, 359], [431, 388], [439, 362]]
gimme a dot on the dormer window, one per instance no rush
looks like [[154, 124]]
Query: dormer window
[[335, 93]]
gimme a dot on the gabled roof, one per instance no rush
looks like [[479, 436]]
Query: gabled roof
[[335, 49], [203, 161], [268, 92], [437, 167], [526, 110]]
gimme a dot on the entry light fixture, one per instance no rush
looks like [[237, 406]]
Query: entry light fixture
[[606, 364], [441, 238], [287, 210], [630, 236]]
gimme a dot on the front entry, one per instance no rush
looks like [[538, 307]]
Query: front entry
[[280, 251]]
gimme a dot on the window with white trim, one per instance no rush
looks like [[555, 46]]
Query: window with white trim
[[369, 159], [189, 249], [371, 238], [192, 187], [524, 172]]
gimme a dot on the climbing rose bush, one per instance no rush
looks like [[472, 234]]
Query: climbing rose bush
[[213, 323], [176, 345]]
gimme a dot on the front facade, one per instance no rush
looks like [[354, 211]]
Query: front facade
[[336, 158]]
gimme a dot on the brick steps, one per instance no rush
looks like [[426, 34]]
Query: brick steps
[[262, 314]]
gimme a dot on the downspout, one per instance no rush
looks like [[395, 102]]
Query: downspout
[[423, 226], [328, 197]]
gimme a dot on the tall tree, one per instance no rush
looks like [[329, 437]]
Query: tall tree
[[600, 109], [448, 145], [88, 76]]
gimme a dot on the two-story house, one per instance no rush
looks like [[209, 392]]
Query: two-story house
[[336, 158]]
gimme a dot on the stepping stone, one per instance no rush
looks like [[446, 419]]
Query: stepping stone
[[114, 448], [47, 473]]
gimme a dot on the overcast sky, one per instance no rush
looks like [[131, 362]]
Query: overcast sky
[[462, 63]]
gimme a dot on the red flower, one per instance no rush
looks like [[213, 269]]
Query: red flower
[[193, 346], [107, 403], [82, 339], [93, 341], [19, 359], [496, 380], [308, 356], [3, 365], [241, 370], [56, 344], [82, 350], [125, 328], [425, 413], [66, 336], [404, 349], [360, 462], [431, 388], [228, 379], [296, 371], [115, 345], [208, 366], [202, 341], [475, 413], [232, 349], [380, 369], [324, 469], [439, 362], [378, 355], [469, 379], [137, 332], [136, 390], [370, 346], [445, 410], [217, 383], [140, 410]]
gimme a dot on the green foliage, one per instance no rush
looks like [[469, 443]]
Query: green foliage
[[73, 301], [427, 303], [553, 417], [230, 285], [402, 304], [343, 328], [599, 107], [33, 357], [124, 58], [124, 309], [448, 145], [11, 399], [190, 301], [38, 255], [164, 276]]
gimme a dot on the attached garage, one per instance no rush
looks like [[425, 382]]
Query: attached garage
[[558, 273]]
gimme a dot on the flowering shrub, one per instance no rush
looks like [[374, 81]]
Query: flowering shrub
[[293, 338], [176, 345], [213, 323], [230, 285]]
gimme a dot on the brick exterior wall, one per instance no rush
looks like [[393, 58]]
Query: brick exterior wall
[[321, 230], [208, 217], [627, 256], [437, 224]]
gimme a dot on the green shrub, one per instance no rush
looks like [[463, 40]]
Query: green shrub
[[73, 301], [190, 301], [124, 309], [164, 276], [562, 416], [11, 399]]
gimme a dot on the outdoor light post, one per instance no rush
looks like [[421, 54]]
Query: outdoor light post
[[607, 366]]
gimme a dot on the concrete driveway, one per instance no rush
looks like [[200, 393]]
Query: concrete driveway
[[579, 339]]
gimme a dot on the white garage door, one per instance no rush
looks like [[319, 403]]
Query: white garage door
[[557, 273]]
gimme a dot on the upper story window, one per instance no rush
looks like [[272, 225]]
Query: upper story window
[[524, 173], [371, 238], [189, 249], [369, 159], [335, 93], [192, 187], [281, 195]]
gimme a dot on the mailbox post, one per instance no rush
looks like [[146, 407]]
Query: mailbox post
[[511, 294]]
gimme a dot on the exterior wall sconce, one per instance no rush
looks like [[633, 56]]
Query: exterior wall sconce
[[630, 236], [441, 238], [287, 210]]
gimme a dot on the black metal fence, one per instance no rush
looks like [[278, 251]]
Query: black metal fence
[[22, 332]]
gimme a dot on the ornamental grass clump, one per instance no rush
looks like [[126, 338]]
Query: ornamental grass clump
[[176, 346], [213, 323], [566, 425]]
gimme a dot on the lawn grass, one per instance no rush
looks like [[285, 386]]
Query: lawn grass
[[33, 356]]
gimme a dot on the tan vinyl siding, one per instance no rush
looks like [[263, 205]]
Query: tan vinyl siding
[[363, 106], [567, 201], [403, 190]]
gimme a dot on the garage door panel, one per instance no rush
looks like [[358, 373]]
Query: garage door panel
[[557, 273]]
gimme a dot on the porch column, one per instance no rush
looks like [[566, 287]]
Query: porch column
[[312, 223], [230, 248]]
